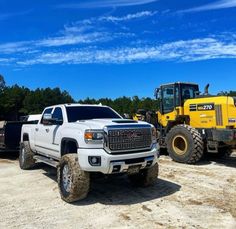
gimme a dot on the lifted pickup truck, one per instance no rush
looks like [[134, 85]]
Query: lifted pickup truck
[[82, 139]]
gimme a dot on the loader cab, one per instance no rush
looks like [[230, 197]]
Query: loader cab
[[174, 95]]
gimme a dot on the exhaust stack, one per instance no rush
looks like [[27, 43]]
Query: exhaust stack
[[206, 90]]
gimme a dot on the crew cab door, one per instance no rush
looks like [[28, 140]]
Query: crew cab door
[[47, 133], [54, 132]]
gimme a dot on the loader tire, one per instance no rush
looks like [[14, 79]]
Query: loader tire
[[184, 144], [145, 177], [73, 182], [26, 156]]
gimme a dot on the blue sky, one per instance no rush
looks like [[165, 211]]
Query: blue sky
[[112, 48]]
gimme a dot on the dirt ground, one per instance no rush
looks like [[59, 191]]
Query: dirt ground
[[185, 196]]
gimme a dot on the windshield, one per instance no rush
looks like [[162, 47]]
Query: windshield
[[89, 112]]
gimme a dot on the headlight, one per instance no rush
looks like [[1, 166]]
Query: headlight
[[94, 136], [154, 135]]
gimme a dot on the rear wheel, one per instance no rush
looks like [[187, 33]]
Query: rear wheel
[[184, 144], [72, 181], [145, 177], [26, 157]]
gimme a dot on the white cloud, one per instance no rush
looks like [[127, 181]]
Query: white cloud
[[72, 39], [105, 4], [185, 51], [14, 47], [82, 32], [129, 16], [84, 42], [6, 61], [222, 4]]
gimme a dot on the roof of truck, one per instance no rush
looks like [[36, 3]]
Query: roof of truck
[[78, 104], [83, 105]]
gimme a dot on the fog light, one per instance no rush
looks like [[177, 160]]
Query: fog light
[[94, 160]]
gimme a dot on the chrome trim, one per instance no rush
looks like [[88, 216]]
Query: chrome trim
[[125, 127], [124, 167], [40, 153]]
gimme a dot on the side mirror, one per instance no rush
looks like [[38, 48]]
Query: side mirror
[[49, 120]]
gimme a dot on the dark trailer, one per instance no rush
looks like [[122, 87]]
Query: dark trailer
[[10, 134]]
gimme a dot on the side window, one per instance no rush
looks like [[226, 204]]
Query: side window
[[47, 111], [168, 99], [57, 114], [188, 92]]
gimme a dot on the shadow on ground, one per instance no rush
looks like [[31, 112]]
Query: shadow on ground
[[12, 156], [229, 162], [117, 190], [211, 158], [215, 159]]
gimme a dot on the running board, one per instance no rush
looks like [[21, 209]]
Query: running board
[[46, 160]]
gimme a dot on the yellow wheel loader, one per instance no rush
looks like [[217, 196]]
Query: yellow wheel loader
[[190, 124]]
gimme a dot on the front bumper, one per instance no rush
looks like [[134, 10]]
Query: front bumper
[[123, 161]]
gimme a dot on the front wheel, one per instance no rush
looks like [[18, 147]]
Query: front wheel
[[73, 182], [145, 177], [185, 144]]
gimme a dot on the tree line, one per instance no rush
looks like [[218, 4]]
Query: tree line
[[16, 101]]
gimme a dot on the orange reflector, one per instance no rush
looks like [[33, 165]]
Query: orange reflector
[[88, 136]]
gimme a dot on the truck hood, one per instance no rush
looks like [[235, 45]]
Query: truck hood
[[101, 123]]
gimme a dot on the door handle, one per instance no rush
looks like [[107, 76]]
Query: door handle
[[47, 130], [36, 129]]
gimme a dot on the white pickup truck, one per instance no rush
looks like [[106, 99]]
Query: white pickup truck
[[82, 139]]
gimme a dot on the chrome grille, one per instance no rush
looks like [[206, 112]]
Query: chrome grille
[[120, 140]]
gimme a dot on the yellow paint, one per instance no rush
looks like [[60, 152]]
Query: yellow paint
[[204, 118]]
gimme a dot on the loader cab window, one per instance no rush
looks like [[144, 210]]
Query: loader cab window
[[168, 99], [188, 92]]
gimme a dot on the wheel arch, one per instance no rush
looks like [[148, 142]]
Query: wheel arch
[[25, 137], [180, 119], [69, 146]]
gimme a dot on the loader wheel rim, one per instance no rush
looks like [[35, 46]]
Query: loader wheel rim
[[66, 178], [180, 145]]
